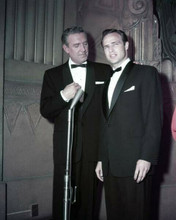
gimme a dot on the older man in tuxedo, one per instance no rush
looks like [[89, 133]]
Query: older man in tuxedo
[[130, 131], [60, 84]]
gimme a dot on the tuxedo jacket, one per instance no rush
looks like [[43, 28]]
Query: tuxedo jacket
[[87, 114], [131, 128]]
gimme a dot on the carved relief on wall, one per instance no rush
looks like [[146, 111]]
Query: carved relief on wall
[[22, 99], [135, 17], [27, 135], [167, 14]]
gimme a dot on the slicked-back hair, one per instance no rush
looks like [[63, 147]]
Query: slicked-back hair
[[110, 31], [71, 30]]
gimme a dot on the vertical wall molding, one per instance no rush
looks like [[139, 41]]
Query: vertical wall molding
[[34, 30], [2, 28]]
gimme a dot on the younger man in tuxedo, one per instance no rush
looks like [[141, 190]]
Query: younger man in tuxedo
[[130, 131]]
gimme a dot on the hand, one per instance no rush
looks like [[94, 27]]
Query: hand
[[70, 90], [142, 168], [138, 62], [99, 171]]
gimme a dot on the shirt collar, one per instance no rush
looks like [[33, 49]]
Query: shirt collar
[[70, 62], [124, 63]]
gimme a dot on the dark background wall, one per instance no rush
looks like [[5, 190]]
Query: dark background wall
[[30, 44]]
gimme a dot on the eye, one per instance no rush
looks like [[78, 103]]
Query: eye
[[76, 45], [116, 44], [105, 47]]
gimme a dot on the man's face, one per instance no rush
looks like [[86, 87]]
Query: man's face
[[114, 49], [77, 47]]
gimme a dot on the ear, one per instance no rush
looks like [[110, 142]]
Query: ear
[[66, 49], [126, 45]]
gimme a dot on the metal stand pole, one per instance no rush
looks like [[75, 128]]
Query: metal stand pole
[[67, 178], [68, 191]]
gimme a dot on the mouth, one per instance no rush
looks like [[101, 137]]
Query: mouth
[[113, 55], [84, 55]]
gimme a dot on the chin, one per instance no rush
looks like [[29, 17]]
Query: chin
[[84, 60]]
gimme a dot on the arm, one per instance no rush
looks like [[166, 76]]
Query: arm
[[152, 112], [152, 116], [70, 91], [52, 103]]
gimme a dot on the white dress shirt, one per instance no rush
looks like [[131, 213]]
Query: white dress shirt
[[78, 75], [113, 81]]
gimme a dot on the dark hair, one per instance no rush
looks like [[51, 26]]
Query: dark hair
[[71, 30], [109, 31]]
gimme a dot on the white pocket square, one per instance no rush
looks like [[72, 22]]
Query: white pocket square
[[99, 82], [130, 89]]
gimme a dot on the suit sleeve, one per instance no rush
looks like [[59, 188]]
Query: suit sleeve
[[152, 114], [51, 102]]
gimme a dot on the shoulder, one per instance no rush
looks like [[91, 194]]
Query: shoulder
[[101, 70], [99, 65], [145, 68], [56, 70]]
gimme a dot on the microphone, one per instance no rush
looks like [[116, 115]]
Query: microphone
[[76, 98]]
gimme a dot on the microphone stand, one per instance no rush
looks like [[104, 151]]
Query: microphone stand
[[68, 191]]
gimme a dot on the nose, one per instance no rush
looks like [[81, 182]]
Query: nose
[[83, 47], [111, 49]]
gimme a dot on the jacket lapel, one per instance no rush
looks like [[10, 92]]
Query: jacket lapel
[[119, 86], [67, 77], [105, 99], [90, 86], [90, 83]]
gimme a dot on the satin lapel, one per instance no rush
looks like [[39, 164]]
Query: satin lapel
[[105, 100], [90, 86], [120, 84], [67, 77]]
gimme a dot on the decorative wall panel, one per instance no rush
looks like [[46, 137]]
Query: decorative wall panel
[[2, 36], [28, 152], [28, 136], [134, 17], [33, 30], [32, 45]]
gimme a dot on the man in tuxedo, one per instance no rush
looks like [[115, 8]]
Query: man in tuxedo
[[130, 131], [60, 84]]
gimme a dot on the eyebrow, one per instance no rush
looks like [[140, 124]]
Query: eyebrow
[[85, 42], [114, 42]]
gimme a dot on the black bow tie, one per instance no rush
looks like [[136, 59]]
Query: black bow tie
[[80, 65], [116, 70]]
